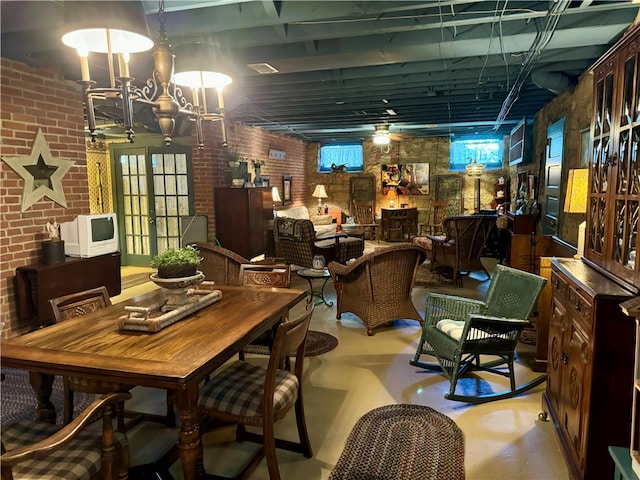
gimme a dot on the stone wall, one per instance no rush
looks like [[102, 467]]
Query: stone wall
[[575, 106], [432, 150]]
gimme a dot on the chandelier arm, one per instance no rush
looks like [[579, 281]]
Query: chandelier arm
[[127, 107]]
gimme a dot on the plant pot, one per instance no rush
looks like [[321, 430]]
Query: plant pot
[[177, 271]]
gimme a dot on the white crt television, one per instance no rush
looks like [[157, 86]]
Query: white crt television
[[90, 235]]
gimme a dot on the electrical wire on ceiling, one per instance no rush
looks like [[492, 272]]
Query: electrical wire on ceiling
[[444, 63], [539, 43]]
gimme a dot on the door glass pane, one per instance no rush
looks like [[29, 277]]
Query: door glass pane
[[627, 92], [171, 183], [135, 203]]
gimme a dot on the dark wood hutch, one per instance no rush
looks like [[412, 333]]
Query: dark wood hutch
[[591, 342]]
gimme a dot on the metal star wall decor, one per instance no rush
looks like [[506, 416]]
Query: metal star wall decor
[[41, 172]]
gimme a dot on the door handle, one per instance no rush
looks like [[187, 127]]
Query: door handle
[[152, 220]]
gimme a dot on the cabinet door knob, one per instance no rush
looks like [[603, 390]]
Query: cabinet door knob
[[578, 308], [564, 358]]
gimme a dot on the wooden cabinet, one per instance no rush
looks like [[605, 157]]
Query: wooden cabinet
[[614, 169], [399, 224], [244, 220], [37, 283], [591, 348]]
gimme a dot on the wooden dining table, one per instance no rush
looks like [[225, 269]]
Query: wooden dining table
[[176, 358]]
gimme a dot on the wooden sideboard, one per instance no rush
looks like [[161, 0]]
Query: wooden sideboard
[[590, 369], [399, 224], [37, 283]]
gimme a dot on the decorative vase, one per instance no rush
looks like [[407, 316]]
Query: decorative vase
[[177, 289], [318, 262], [52, 252], [258, 180]]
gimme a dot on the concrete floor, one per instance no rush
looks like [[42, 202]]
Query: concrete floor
[[503, 440]]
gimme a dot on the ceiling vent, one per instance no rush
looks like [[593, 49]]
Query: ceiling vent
[[262, 68]]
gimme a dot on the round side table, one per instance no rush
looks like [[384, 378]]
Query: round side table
[[311, 274]]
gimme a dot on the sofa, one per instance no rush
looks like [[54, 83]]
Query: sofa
[[322, 224]]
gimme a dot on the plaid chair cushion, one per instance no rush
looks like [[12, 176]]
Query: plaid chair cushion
[[79, 459], [238, 390]]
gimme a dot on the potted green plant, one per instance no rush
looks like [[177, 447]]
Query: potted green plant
[[177, 262]]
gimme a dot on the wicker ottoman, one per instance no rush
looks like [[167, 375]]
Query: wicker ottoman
[[398, 442]]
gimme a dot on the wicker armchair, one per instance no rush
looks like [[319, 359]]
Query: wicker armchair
[[299, 243], [457, 331], [377, 286], [220, 265], [463, 245]]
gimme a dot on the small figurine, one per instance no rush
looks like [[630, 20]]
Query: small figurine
[[53, 230]]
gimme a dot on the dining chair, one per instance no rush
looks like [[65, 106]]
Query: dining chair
[[79, 304], [77, 451], [256, 275], [250, 395]]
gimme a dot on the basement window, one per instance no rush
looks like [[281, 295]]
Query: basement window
[[349, 154], [487, 151]]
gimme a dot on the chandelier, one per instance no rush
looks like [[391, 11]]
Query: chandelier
[[120, 30]]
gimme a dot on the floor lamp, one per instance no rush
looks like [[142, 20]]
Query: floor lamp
[[475, 169]]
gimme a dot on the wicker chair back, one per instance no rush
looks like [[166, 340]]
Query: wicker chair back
[[220, 265]]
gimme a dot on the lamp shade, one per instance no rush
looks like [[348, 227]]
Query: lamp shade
[[275, 195], [474, 169], [87, 23], [198, 66], [576, 199], [320, 192]]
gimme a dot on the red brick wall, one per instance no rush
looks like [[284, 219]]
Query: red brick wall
[[35, 99], [211, 166]]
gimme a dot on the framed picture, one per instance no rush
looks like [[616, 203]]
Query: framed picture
[[264, 180], [286, 189], [409, 179]]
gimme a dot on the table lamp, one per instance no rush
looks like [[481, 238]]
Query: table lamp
[[576, 201], [275, 198], [392, 195], [320, 192]]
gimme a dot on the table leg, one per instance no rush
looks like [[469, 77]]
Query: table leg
[[319, 294], [42, 385], [189, 440]]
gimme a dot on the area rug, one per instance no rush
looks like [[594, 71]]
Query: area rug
[[317, 343], [427, 278], [402, 441], [18, 401]]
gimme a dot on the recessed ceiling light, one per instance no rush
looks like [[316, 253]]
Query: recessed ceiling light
[[391, 111], [384, 100], [262, 68]]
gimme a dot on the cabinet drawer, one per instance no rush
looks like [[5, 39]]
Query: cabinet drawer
[[559, 286], [581, 307]]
